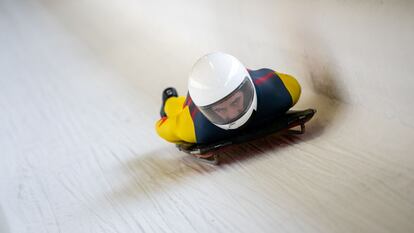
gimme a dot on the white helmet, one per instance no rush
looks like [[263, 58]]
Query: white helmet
[[223, 90]]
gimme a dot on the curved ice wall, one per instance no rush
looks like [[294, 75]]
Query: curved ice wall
[[359, 52]]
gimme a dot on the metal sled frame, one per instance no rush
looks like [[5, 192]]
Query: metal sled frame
[[208, 154]]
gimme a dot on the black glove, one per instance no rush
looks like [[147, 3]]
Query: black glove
[[166, 94]]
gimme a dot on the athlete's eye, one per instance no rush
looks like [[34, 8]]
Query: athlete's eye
[[220, 110], [235, 102]]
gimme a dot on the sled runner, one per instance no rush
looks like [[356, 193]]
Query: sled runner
[[282, 124]]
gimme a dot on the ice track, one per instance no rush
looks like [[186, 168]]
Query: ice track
[[80, 85]]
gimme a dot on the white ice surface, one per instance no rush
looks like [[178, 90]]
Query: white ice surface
[[80, 85]]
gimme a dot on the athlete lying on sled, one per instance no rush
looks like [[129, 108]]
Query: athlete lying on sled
[[226, 101]]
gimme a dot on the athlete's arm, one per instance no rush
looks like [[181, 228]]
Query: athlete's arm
[[178, 125]]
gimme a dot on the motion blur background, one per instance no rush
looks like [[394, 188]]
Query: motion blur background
[[80, 89]]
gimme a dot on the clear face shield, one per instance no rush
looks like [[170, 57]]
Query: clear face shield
[[233, 106]]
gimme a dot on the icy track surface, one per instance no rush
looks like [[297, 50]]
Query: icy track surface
[[80, 85]]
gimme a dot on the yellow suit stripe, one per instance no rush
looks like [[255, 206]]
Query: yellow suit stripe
[[178, 125], [174, 105], [292, 85]]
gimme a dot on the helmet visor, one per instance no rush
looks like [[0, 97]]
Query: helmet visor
[[231, 107]]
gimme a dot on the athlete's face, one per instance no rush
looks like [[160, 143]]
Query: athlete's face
[[230, 108]]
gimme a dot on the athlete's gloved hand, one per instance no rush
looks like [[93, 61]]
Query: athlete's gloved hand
[[166, 94]]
